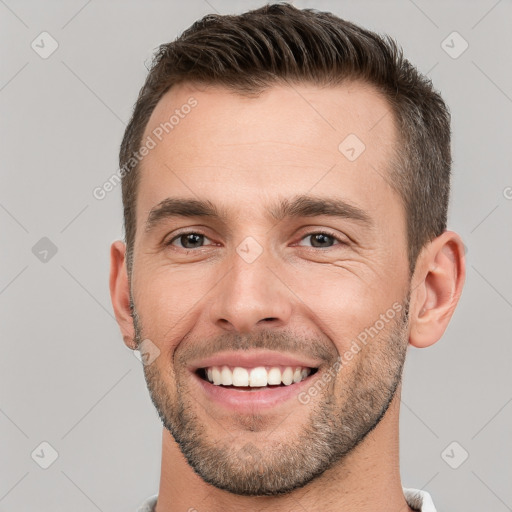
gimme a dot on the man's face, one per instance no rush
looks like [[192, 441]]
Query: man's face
[[278, 285]]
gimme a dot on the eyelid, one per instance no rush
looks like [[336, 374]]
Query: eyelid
[[324, 231], [318, 231], [186, 231]]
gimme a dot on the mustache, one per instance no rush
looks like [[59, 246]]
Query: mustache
[[278, 341]]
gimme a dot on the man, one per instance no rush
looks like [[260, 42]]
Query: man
[[285, 188]]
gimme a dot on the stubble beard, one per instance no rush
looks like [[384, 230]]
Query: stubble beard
[[335, 426]]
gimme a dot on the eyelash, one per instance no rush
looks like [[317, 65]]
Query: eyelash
[[326, 233]]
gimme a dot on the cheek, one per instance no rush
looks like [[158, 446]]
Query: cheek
[[167, 300], [347, 308]]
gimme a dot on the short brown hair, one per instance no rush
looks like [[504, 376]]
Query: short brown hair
[[280, 43]]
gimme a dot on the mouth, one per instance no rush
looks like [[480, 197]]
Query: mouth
[[256, 378], [251, 382]]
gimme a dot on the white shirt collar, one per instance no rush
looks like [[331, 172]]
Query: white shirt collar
[[416, 499]]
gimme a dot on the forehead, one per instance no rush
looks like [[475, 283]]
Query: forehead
[[212, 142]]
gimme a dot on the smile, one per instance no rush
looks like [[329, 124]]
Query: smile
[[249, 381], [257, 377]]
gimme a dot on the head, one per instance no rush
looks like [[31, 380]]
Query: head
[[292, 129]]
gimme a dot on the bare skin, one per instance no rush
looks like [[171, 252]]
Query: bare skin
[[244, 155]]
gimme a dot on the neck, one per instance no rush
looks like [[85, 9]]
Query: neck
[[367, 479]]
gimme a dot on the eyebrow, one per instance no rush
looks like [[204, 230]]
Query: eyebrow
[[299, 206]]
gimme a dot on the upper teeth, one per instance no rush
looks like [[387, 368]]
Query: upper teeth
[[256, 377]]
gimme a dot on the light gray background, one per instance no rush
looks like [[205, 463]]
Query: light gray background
[[66, 376]]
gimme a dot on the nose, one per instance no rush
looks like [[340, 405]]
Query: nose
[[251, 296]]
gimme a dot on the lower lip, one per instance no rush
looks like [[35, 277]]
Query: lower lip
[[251, 400]]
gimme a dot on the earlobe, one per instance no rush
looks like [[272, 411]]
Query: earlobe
[[120, 292], [437, 285]]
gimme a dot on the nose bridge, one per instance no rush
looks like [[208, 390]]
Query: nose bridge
[[251, 293]]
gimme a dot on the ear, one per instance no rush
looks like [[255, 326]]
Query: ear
[[436, 288], [120, 292]]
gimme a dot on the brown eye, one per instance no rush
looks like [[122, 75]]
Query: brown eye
[[321, 240], [189, 240]]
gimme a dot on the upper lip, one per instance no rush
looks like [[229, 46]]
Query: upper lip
[[254, 358]]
